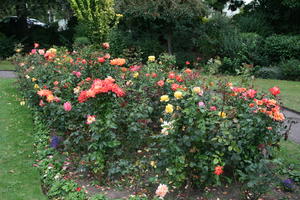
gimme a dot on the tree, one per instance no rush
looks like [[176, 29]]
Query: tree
[[98, 14], [162, 16]]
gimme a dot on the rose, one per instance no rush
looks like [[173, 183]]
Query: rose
[[67, 106], [275, 90]]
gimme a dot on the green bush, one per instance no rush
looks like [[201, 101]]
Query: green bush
[[7, 45], [147, 122], [278, 47], [268, 72], [290, 69]]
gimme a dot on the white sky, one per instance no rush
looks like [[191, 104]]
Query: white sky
[[230, 13]]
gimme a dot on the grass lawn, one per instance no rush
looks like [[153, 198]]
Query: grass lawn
[[287, 149], [19, 180], [290, 91], [6, 65]]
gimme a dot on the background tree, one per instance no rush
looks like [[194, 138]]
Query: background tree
[[163, 17], [98, 14]]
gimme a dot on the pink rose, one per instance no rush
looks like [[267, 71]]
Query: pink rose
[[161, 190], [201, 104], [67, 106], [213, 108], [41, 51]]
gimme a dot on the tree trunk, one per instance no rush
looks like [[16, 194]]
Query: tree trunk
[[169, 40]]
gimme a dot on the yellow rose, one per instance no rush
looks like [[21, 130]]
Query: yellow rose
[[164, 98], [119, 15], [197, 90], [178, 95], [153, 164], [52, 50], [36, 86], [33, 79], [169, 108], [222, 114], [170, 81], [135, 75], [151, 58]]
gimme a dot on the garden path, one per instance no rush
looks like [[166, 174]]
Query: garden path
[[7, 74]]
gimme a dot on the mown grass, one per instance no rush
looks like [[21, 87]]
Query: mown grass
[[289, 154], [290, 90], [6, 66], [19, 180]]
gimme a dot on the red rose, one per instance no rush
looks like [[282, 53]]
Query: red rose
[[101, 60], [275, 90], [160, 83], [218, 170]]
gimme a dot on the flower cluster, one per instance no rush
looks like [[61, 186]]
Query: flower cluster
[[101, 86]]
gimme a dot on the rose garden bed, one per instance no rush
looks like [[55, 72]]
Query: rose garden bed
[[154, 131]]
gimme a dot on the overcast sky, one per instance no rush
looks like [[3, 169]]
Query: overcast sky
[[231, 13]]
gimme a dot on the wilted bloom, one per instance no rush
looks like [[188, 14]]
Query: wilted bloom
[[42, 103], [201, 104], [169, 108], [178, 95], [161, 190], [275, 90], [197, 90], [90, 119], [160, 83], [151, 58], [107, 56], [222, 114], [41, 51], [218, 170], [105, 45], [67, 106], [36, 45]]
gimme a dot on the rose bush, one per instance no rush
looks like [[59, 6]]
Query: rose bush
[[148, 121]]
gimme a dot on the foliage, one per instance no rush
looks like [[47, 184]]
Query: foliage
[[99, 15], [258, 179], [290, 69], [278, 47], [147, 122], [7, 45], [161, 18], [268, 72]]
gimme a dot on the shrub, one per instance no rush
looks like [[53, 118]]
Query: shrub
[[7, 45], [269, 72], [278, 47], [148, 122], [290, 69]]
